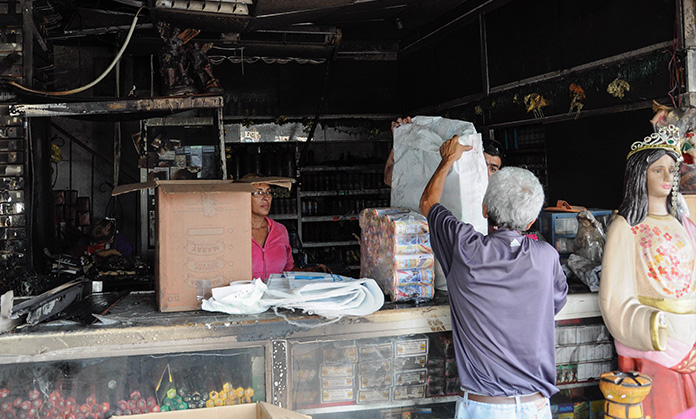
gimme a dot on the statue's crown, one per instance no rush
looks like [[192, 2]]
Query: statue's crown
[[667, 138]]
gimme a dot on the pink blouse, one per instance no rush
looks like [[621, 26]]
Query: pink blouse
[[276, 254]]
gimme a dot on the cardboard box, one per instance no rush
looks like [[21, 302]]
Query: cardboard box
[[203, 238], [260, 410]]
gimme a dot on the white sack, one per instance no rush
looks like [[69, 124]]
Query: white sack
[[327, 295], [241, 297], [417, 155]]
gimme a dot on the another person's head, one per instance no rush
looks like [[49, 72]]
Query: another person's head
[[513, 199], [492, 152], [647, 174], [103, 232]]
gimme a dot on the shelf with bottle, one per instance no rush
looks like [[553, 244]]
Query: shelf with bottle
[[342, 183], [330, 244], [370, 167], [297, 130], [339, 208], [262, 159], [311, 194], [14, 211]]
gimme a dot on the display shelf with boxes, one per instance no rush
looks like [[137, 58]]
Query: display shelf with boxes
[[372, 373], [339, 172], [182, 147], [524, 146], [584, 350]]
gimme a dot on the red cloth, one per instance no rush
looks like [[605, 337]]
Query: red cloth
[[276, 254], [673, 389]]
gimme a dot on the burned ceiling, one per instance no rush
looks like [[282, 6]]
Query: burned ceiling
[[365, 29]]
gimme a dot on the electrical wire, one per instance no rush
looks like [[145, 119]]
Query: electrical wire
[[98, 79], [673, 69]]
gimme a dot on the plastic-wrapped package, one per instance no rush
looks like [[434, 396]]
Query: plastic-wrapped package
[[396, 252]]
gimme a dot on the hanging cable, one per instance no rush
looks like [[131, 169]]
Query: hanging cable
[[93, 83]]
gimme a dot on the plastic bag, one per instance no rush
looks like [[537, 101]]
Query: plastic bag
[[326, 295], [395, 250], [241, 297], [417, 155]]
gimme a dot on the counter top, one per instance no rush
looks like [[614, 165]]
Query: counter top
[[135, 322]]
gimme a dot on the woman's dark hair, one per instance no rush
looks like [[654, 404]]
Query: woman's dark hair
[[103, 231], [634, 207]]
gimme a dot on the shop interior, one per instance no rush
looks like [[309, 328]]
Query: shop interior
[[305, 90]]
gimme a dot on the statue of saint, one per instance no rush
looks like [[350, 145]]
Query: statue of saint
[[647, 292]]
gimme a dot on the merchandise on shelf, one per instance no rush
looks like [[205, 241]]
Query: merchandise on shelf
[[370, 380], [396, 252], [14, 243], [104, 387]]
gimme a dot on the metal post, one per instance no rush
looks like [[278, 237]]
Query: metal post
[[485, 79], [686, 13]]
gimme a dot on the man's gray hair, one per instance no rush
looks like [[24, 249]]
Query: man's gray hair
[[514, 198]]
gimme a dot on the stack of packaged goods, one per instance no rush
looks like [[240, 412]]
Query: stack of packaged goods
[[392, 369], [395, 251], [338, 373], [410, 372], [375, 366]]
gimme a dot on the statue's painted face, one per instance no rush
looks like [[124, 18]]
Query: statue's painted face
[[660, 177]]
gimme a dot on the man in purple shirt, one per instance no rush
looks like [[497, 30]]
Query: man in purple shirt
[[504, 291]]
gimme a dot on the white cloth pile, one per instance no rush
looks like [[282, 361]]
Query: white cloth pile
[[326, 295]]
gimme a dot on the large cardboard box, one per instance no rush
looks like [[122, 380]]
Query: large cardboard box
[[260, 410], [203, 238]]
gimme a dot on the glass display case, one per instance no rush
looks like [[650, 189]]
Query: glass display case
[[397, 361], [102, 387], [371, 372]]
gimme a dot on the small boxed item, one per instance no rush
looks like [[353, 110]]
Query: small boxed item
[[338, 370], [383, 366], [337, 395], [408, 392], [340, 354], [375, 351], [203, 238], [410, 362], [375, 380], [416, 345], [259, 410], [338, 382], [405, 378], [373, 395]]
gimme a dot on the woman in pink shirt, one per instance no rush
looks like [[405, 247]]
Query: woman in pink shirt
[[270, 244]]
